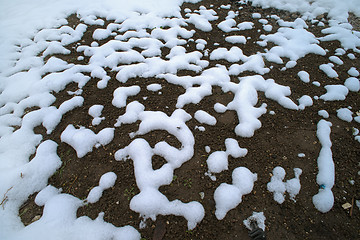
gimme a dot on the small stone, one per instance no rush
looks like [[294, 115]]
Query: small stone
[[37, 217], [346, 206]]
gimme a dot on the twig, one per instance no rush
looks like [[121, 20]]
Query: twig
[[5, 198], [71, 184], [352, 206]]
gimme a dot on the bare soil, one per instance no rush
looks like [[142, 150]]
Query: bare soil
[[277, 143]]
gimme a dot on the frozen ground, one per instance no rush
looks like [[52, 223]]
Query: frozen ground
[[179, 119]]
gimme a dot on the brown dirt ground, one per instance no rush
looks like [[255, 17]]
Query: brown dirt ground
[[277, 143]]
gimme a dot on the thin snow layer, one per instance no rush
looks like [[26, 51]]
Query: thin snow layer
[[311, 9], [150, 202], [229, 196], [18, 22], [325, 178], [31, 32], [257, 217]]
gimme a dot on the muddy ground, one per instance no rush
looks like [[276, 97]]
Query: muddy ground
[[277, 143]]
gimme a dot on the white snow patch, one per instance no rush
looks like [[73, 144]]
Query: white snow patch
[[256, 15], [220, 108], [95, 112], [207, 149], [305, 101], [131, 114], [324, 200], [122, 93], [323, 113], [246, 98], [154, 87], [336, 60], [316, 83], [293, 185], [276, 184], [229, 196], [328, 70], [304, 76], [83, 139], [292, 43], [236, 39], [353, 72], [351, 56], [228, 25], [150, 202], [101, 34], [353, 84], [106, 181], [245, 26], [278, 187], [335, 93], [268, 27], [344, 114], [201, 21], [218, 161], [204, 117]]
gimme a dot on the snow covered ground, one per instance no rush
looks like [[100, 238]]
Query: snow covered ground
[[151, 40]]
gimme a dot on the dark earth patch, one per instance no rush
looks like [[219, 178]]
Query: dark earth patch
[[277, 143]]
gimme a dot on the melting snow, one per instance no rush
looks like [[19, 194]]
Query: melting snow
[[142, 29]]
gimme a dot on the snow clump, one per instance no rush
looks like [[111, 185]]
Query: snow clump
[[229, 196], [324, 200], [106, 181], [344, 114], [83, 139], [257, 217], [218, 161], [278, 187]]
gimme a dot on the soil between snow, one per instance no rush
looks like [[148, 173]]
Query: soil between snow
[[277, 143]]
